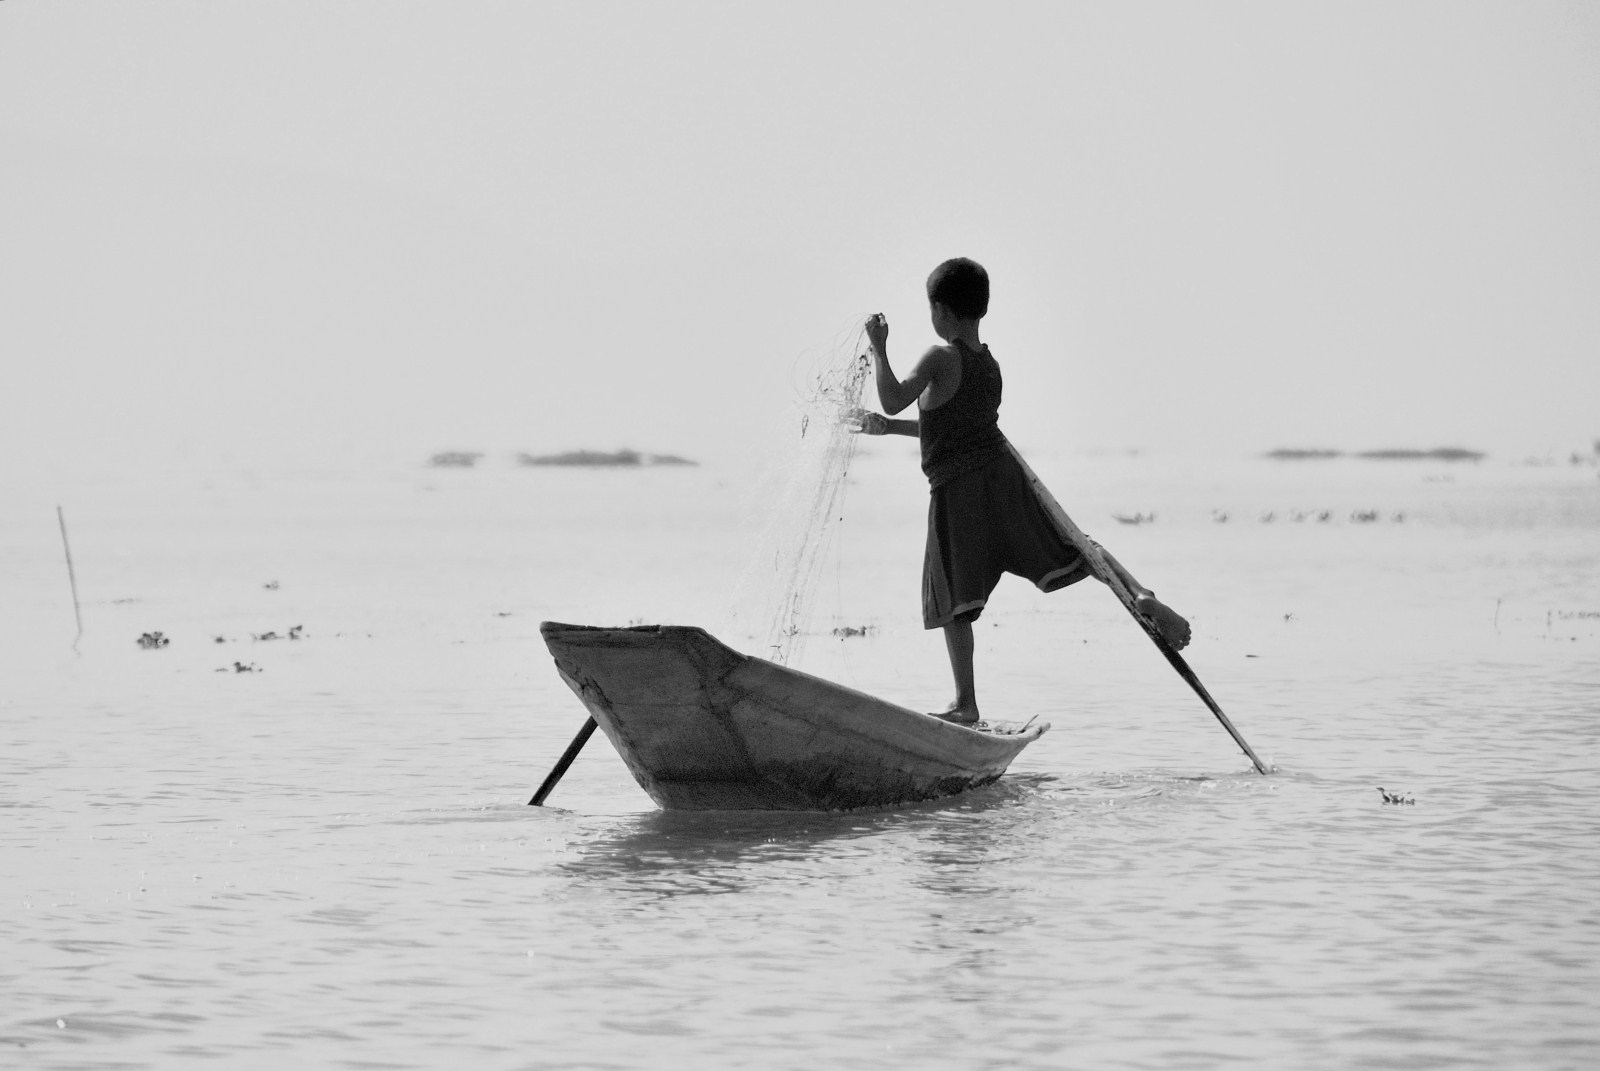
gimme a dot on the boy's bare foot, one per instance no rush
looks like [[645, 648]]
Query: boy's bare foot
[[958, 715], [1171, 625]]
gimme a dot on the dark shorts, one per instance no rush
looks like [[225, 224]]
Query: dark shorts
[[983, 524]]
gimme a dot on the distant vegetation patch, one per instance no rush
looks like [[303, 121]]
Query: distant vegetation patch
[[1292, 454], [1442, 453], [603, 459], [455, 459]]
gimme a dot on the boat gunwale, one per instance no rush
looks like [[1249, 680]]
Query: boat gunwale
[[564, 633]]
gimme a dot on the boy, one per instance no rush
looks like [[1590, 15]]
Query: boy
[[984, 518]]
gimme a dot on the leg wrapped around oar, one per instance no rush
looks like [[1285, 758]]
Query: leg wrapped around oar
[[1156, 620]]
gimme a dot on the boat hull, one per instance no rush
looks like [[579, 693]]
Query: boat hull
[[703, 727]]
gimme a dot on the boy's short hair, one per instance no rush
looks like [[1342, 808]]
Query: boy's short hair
[[962, 286]]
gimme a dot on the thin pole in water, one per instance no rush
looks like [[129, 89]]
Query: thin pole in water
[[561, 765], [72, 577]]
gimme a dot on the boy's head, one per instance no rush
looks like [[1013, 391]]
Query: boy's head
[[962, 286]]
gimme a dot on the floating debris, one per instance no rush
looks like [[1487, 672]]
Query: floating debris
[[1364, 516], [271, 585], [263, 636], [455, 459], [1396, 798], [847, 631], [151, 641], [1219, 516], [1137, 518]]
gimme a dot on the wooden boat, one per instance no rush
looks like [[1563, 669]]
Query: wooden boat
[[703, 727]]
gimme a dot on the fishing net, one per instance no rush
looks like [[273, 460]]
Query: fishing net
[[802, 491]]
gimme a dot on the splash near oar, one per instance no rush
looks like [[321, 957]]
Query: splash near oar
[[1092, 554]]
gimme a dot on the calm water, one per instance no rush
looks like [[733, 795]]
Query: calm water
[[328, 860]]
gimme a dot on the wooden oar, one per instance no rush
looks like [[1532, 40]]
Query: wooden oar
[[566, 760], [1097, 564]]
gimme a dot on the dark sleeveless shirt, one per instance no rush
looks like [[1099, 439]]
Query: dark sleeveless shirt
[[963, 434]]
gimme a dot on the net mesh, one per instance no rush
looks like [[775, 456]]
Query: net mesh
[[803, 495]]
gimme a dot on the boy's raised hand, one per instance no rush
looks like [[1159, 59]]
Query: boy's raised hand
[[878, 330]]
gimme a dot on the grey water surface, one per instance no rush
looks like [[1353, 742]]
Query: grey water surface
[[253, 852]]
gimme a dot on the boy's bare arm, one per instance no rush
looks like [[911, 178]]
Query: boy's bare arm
[[869, 423], [894, 394]]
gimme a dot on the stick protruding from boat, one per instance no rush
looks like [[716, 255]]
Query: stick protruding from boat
[[565, 761]]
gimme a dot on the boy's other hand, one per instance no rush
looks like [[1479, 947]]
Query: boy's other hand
[[878, 330], [864, 422]]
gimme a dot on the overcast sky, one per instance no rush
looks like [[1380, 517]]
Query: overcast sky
[[253, 230]]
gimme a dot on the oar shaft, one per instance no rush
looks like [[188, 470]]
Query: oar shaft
[[1182, 666], [565, 761]]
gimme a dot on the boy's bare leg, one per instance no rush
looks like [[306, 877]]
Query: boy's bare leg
[[958, 642], [1172, 626]]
